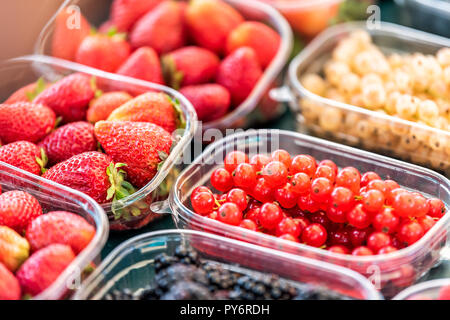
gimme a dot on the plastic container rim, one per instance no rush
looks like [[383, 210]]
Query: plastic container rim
[[427, 285]]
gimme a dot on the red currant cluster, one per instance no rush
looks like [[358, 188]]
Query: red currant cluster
[[317, 204]]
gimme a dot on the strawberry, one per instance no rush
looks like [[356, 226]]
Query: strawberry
[[60, 227], [14, 249], [103, 51], [93, 173], [69, 140], [154, 107], [9, 285], [101, 107], [71, 28], [107, 27], [162, 28], [25, 121], [124, 13], [239, 72], [210, 21], [28, 92], [189, 65], [211, 101], [143, 64], [24, 155], [17, 209], [44, 267], [148, 144], [263, 39], [69, 97]]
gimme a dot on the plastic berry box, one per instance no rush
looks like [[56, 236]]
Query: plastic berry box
[[21, 71], [424, 290], [357, 126], [131, 265], [258, 107], [390, 272], [54, 197]]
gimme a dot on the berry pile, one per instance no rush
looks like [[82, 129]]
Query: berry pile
[[185, 276], [50, 242], [316, 203], [205, 48]]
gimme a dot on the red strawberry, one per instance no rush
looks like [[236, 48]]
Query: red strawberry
[[141, 145], [101, 107], [24, 155], [239, 72], [28, 92], [124, 13], [210, 21], [258, 36], [91, 173], [154, 107], [107, 27], [143, 64], [9, 285], [60, 227], [44, 267], [69, 140], [25, 121], [70, 30], [162, 28], [211, 101], [14, 249], [69, 97], [17, 209], [103, 51], [189, 65]]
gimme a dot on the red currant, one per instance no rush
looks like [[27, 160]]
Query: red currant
[[339, 237], [286, 196], [239, 197], [372, 201], [386, 221], [258, 161], [358, 217], [282, 156], [288, 226], [203, 202], [275, 174], [295, 212], [233, 159], [369, 176], [244, 176], [330, 164], [421, 206], [336, 215], [338, 249], [289, 237], [270, 215], [229, 213], [314, 235], [302, 222], [358, 237], [378, 240], [377, 185], [362, 251], [200, 189], [387, 249], [303, 163], [305, 203], [426, 222], [350, 178], [390, 196], [390, 185], [321, 218], [342, 199], [410, 232], [248, 224], [404, 204], [325, 172], [221, 180], [253, 214], [321, 189], [436, 208], [213, 215], [262, 191], [301, 183]]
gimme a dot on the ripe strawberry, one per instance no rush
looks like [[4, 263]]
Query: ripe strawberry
[[107, 27], [60, 227], [93, 173], [24, 155], [69, 97], [101, 107], [14, 249], [239, 72], [162, 28], [70, 29], [25, 121], [17, 209], [211, 101], [69, 140], [154, 107], [258, 36], [9, 285], [210, 21], [124, 13], [189, 65], [28, 92], [103, 51], [148, 144], [44, 267], [143, 64]]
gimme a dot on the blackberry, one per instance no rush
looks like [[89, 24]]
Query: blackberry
[[315, 293], [125, 294], [219, 278], [180, 272], [163, 261], [186, 255], [187, 290], [262, 287]]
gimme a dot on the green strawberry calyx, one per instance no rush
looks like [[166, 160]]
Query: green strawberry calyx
[[119, 188], [181, 120], [42, 161], [40, 86], [172, 76]]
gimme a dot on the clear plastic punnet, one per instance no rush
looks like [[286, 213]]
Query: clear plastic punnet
[[55, 197], [428, 290], [18, 72], [131, 265], [390, 272], [259, 107]]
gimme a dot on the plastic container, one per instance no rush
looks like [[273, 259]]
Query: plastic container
[[131, 264], [18, 72], [258, 107], [427, 15], [361, 127], [428, 289], [54, 197], [391, 272]]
